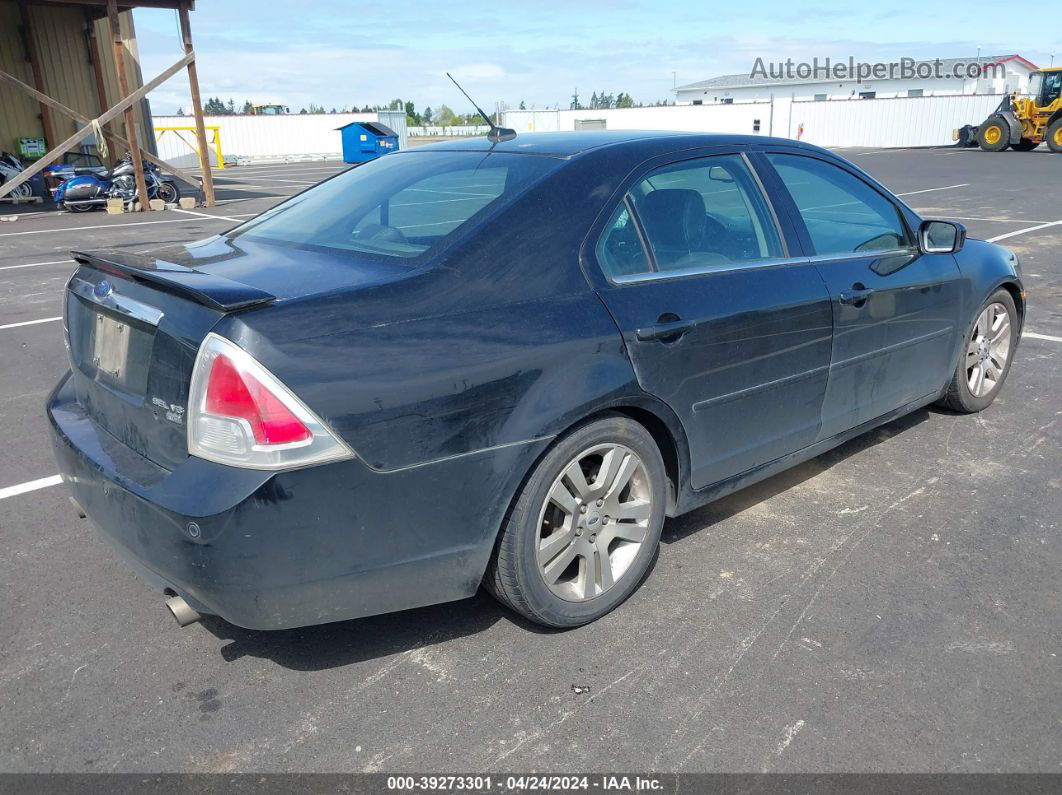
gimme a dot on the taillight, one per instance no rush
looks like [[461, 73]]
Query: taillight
[[240, 414]]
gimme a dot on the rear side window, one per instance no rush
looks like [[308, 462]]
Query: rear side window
[[842, 213], [620, 250], [696, 215], [400, 205]]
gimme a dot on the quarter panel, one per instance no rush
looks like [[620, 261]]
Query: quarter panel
[[410, 392]]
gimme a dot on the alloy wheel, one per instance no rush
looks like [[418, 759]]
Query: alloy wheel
[[988, 350], [594, 522]]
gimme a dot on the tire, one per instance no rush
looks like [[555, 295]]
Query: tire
[[168, 192], [966, 393], [1025, 145], [994, 134], [1054, 135], [23, 191], [77, 208], [548, 582]]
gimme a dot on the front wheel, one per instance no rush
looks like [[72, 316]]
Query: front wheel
[[585, 526], [985, 358], [77, 208], [1054, 135], [168, 192], [994, 135]]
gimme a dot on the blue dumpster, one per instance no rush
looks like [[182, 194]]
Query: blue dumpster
[[367, 140]]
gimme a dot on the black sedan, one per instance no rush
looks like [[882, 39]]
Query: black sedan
[[504, 364]]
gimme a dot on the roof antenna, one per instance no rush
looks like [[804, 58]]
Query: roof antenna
[[496, 133]]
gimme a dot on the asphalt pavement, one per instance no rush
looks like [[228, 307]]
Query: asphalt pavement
[[892, 605]]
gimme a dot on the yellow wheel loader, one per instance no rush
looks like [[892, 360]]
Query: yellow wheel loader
[[1021, 122]]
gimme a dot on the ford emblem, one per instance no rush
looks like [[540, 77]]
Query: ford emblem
[[102, 289]]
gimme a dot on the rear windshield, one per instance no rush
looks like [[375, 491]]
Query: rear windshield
[[399, 205]]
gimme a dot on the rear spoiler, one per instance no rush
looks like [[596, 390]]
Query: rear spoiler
[[204, 288]]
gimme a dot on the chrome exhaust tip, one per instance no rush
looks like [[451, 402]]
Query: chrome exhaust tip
[[182, 611]]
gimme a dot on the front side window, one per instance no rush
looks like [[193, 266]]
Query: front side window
[[705, 213], [400, 205], [842, 213]]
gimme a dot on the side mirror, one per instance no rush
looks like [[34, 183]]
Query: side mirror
[[941, 237], [720, 174]]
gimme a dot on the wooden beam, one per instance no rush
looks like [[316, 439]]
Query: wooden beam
[[130, 117], [197, 110], [73, 114], [96, 57], [86, 131], [35, 66], [123, 5]]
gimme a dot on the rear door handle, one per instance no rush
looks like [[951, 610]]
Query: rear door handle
[[858, 295], [662, 331]]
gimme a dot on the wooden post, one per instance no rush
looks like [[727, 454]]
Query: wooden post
[[38, 76], [96, 57], [123, 89], [197, 110]]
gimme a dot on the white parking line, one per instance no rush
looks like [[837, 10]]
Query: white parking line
[[1035, 336], [34, 264], [32, 485], [106, 226], [997, 238], [30, 322], [260, 178], [217, 217], [930, 190], [277, 168], [993, 220]]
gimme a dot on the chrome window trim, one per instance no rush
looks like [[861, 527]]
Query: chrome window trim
[[707, 270], [885, 252]]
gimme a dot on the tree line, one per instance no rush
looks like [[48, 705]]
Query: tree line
[[442, 116]]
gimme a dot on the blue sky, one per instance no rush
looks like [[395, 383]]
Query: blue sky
[[337, 53]]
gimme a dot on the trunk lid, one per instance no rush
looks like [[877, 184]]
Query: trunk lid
[[134, 324]]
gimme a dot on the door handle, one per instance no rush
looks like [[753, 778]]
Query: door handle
[[857, 295], [667, 331]]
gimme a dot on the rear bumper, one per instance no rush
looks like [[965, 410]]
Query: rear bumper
[[278, 550]]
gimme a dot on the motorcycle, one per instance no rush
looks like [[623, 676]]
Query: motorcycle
[[11, 167], [87, 191]]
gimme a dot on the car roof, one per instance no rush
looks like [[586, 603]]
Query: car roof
[[570, 144]]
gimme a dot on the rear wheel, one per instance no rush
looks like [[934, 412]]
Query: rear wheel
[[1024, 145], [994, 135], [168, 192], [77, 208], [1054, 135], [585, 526], [23, 191], [985, 358]]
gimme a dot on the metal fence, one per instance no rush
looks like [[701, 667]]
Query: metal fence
[[907, 121], [286, 137]]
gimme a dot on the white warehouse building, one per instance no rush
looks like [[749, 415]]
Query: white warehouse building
[[996, 74]]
